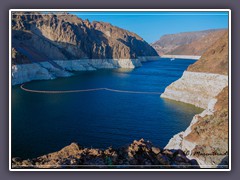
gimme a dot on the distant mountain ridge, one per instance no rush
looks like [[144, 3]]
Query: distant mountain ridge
[[187, 43], [39, 37]]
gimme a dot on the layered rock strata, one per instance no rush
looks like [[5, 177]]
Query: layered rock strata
[[48, 45], [206, 139], [205, 84], [196, 88], [46, 70], [139, 154]]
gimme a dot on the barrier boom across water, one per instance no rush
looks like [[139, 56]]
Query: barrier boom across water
[[85, 90]]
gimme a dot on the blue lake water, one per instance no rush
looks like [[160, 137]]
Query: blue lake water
[[44, 123]]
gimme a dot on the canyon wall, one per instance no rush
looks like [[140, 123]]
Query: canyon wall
[[196, 88], [205, 84], [40, 37], [61, 68], [46, 46]]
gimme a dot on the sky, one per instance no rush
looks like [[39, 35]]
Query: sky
[[152, 25]]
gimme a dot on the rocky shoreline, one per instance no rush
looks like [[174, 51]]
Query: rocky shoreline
[[190, 57], [196, 88], [203, 92], [139, 154], [47, 46], [22, 73], [205, 84], [215, 152]]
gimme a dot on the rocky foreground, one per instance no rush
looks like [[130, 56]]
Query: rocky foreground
[[139, 154]]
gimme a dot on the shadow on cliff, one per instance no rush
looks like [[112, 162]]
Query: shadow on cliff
[[138, 47], [30, 45]]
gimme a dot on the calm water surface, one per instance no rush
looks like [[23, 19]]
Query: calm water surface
[[43, 123]]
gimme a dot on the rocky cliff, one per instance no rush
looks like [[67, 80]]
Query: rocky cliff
[[196, 88], [62, 68], [205, 84], [187, 43], [139, 154], [46, 46], [42, 37], [206, 139], [215, 59], [204, 79]]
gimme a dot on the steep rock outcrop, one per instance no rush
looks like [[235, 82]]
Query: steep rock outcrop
[[61, 68], [215, 59], [204, 79], [42, 37], [35, 71], [46, 46], [139, 154], [206, 139], [196, 88]]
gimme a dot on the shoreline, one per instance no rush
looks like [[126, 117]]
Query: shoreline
[[45, 70], [186, 89], [190, 57], [85, 65], [53, 69], [198, 93]]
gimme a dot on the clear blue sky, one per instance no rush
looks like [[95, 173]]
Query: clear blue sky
[[152, 25]]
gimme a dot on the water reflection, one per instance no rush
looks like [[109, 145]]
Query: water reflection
[[180, 106]]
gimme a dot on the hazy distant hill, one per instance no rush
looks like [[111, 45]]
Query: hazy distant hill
[[187, 43]]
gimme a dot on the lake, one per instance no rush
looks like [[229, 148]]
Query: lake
[[44, 123]]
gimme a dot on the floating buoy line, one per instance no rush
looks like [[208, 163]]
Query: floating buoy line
[[84, 90]]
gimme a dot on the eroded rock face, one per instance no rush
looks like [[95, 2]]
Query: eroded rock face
[[41, 71], [60, 68], [205, 84], [41, 37], [210, 133], [46, 46], [215, 59], [206, 139], [196, 88], [139, 154], [204, 79]]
